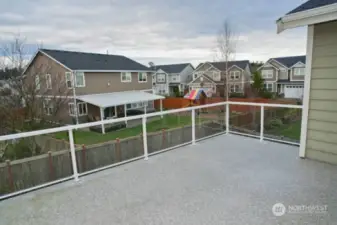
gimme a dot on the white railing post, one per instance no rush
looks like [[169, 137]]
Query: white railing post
[[146, 154], [193, 126], [73, 154], [262, 123], [227, 118]]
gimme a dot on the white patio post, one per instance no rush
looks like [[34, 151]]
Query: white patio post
[[102, 118], [146, 154], [161, 106], [145, 109], [262, 123], [227, 118], [125, 114], [115, 111], [73, 154], [193, 126]]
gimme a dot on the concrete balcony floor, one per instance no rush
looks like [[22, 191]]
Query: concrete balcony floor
[[222, 180]]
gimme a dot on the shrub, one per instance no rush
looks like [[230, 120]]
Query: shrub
[[237, 95], [266, 94], [274, 123]]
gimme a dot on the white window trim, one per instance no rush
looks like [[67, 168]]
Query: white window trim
[[297, 69], [161, 80], [233, 73], [126, 81], [70, 79], [266, 75], [51, 107], [82, 73], [142, 73], [78, 111], [272, 86], [48, 81], [37, 82], [236, 90]]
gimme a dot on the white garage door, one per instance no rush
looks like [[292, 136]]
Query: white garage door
[[293, 91]]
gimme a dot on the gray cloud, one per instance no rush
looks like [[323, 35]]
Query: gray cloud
[[152, 30]]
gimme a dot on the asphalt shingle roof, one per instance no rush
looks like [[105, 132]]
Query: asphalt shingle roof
[[94, 61], [222, 65], [291, 60], [311, 5], [172, 68]]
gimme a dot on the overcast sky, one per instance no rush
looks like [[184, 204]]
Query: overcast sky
[[162, 31]]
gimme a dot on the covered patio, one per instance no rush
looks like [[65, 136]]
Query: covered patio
[[111, 105]]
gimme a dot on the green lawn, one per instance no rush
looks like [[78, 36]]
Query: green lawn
[[89, 137], [292, 130]]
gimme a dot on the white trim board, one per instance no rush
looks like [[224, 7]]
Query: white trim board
[[308, 17], [306, 92]]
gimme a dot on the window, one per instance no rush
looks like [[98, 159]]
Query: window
[[80, 80], [161, 77], [216, 76], [69, 80], [234, 75], [267, 74], [48, 107], [142, 77], [268, 87], [299, 71], [81, 109], [37, 82], [235, 88], [48, 81], [126, 77]]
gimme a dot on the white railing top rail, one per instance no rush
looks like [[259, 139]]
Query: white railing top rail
[[123, 119]]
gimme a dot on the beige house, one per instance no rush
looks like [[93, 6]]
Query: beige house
[[91, 86], [211, 76], [319, 122], [284, 76]]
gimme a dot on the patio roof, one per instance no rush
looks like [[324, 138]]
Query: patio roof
[[118, 98]]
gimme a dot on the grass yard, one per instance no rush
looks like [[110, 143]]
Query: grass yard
[[292, 130], [89, 137]]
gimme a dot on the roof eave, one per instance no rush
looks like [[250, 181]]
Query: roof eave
[[111, 71], [307, 17]]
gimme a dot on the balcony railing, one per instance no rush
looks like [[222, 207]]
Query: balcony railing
[[146, 135]]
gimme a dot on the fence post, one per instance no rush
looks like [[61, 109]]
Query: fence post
[[51, 168], [84, 159], [118, 154], [163, 140], [146, 154], [73, 154], [193, 126], [227, 118], [262, 123], [10, 175]]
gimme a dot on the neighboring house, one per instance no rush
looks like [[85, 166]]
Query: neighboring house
[[319, 120], [102, 86], [169, 77], [211, 77], [284, 76]]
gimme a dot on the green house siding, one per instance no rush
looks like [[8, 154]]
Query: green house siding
[[321, 141]]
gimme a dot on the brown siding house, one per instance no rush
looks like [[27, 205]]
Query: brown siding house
[[58, 76]]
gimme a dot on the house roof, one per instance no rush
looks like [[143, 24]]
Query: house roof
[[222, 65], [311, 5], [171, 68], [290, 60], [94, 61], [309, 13]]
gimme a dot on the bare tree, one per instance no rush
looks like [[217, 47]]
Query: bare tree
[[225, 50], [31, 100]]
